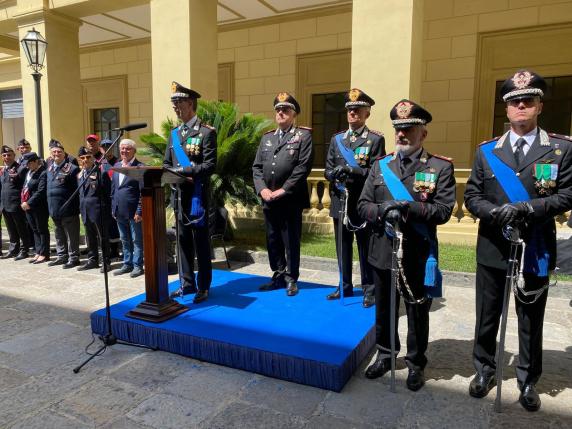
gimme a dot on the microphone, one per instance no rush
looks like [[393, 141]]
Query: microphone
[[131, 127]]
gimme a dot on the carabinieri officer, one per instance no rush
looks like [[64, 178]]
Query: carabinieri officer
[[282, 164], [349, 159], [191, 151], [525, 175], [416, 189]]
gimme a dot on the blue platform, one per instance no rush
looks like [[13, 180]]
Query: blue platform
[[305, 339]]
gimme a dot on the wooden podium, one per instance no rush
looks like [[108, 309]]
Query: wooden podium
[[157, 306]]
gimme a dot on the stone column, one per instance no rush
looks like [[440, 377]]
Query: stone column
[[183, 49], [61, 93], [386, 55]]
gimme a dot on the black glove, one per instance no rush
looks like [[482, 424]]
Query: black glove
[[393, 216], [508, 214], [388, 206], [341, 172], [181, 170]]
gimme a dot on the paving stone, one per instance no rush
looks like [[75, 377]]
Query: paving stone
[[167, 411], [125, 423], [33, 339], [206, 383], [49, 420], [243, 415], [283, 396], [331, 422], [101, 401], [11, 378]]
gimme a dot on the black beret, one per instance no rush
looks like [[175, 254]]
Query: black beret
[[30, 156], [179, 92], [106, 142], [7, 149], [407, 113], [83, 151], [23, 142], [357, 98], [524, 84], [55, 143], [283, 99]]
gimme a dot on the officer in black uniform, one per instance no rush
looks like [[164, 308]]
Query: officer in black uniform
[[363, 146], [61, 184], [13, 178], [191, 151], [540, 165], [91, 208], [23, 147], [429, 185], [68, 157], [282, 164]]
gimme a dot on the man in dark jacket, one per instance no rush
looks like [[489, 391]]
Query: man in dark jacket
[[192, 152], [127, 211], [522, 179], [416, 191], [282, 165], [35, 205], [350, 156], [61, 184], [13, 178], [91, 208]]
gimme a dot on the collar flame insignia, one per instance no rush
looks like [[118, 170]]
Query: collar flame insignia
[[403, 109], [282, 97], [354, 94], [522, 79]]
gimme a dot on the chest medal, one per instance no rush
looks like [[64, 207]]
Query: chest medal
[[424, 183], [193, 146], [545, 175], [361, 155]]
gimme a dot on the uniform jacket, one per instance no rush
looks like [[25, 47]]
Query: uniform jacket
[[203, 159], [37, 187], [484, 192], [368, 146], [284, 163], [61, 184], [12, 179], [89, 205], [126, 198], [431, 209]]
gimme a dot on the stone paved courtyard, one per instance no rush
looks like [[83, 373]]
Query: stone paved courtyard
[[44, 319]]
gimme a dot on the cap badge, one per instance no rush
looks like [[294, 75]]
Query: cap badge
[[403, 109], [282, 97], [173, 87], [354, 94], [522, 79]]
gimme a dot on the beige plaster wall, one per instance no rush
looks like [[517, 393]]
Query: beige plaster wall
[[449, 60], [265, 55]]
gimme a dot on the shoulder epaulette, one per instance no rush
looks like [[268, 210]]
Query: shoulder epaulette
[[270, 131], [210, 127], [444, 158], [561, 136], [489, 141], [378, 133], [385, 156], [304, 128]]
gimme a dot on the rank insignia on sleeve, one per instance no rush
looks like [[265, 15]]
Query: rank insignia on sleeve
[[545, 175]]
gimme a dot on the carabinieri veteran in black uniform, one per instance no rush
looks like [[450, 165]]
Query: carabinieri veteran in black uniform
[[416, 189], [525, 175], [282, 164], [191, 151], [349, 159]]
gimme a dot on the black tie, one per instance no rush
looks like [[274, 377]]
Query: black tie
[[518, 152], [405, 162]]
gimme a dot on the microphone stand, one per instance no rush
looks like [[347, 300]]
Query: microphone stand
[[108, 339]]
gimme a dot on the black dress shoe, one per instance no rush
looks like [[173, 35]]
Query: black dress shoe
[[70, 264], [292, 289], [379, 367], [415, 380], [58, 261], [275, 283], [89, 265], [529, 398], [481, 385], [21, 255], [9, 255], [368, 301], [201, 296], [123, 270], [336, 294], [41, 261], [185, 290]]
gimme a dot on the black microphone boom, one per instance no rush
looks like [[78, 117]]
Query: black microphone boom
[[131, 127]]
